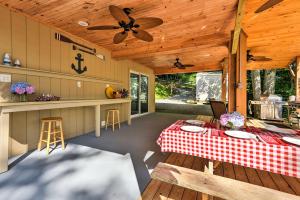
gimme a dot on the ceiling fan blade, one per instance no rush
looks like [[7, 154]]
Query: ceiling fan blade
[[118, 14], [267, 5], [120, 37], [260, 58], [188, 65], [142, 35], [147, 22], [105, 27]]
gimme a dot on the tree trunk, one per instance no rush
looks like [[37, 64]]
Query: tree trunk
[[269, 82], [256, 90], [256, 84]]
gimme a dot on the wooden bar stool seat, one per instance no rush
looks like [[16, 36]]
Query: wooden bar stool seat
[[52, 126], [112, 113]]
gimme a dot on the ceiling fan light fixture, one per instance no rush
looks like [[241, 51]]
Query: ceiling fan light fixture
[[83, 23]]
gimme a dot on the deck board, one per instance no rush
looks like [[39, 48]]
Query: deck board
[[154, 185], [293, 183], [160, 190], [281, 183], [165, 188], [176, 191]]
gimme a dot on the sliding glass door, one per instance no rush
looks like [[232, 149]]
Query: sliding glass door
[[144, 94], [139, 93], [135, 93]]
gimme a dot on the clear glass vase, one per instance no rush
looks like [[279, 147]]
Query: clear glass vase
[[22, 98]]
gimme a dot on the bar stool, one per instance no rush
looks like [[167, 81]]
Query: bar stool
[[53, 127], [113, 122]]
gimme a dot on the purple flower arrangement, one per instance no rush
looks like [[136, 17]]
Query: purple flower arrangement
[[232, 120], [21, 88]]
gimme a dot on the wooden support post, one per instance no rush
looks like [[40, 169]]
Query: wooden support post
[[4, 137], [129, 114], [297, 79], [241, 75], [97, 121], [225, 79], [231, 78], [238, 26]]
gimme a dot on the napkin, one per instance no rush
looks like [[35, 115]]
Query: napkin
[[271, 140]]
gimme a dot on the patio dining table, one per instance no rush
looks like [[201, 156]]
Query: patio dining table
[[265, 152]]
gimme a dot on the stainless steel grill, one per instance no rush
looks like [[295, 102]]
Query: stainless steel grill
[[269, 107]]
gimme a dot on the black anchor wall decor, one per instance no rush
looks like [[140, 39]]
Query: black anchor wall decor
[[79, 69]]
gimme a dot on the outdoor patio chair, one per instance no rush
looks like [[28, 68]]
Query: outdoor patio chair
[[218, 108]]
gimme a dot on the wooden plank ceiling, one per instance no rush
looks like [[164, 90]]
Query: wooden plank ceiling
[[196, 31], [274, 33]]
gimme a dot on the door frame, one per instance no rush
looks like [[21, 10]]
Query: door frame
[[129, 86]]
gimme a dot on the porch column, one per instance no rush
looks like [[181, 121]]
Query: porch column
[[231, 77], [241, 75], [237, 76], [224, 79], [297, 79]]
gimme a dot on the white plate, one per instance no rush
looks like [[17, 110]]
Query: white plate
[[195, 122], [240, 134], [292, 140], [192, 128], [279, 130]]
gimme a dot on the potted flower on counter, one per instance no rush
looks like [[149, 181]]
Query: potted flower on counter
[[22, 89]]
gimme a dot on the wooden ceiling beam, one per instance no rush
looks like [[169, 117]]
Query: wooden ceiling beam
[[205, 49], [238, 26], [261, 67], [206, 41], [165, 70]]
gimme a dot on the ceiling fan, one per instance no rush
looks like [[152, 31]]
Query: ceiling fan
[[179, 65], [128, 23], [267, 5], [250, 57]]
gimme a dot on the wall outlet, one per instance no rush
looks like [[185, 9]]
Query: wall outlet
[[78, 84], [103, 123], [5, 78]]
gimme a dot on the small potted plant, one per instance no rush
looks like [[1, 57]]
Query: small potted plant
[[232, 120], [22, 89]]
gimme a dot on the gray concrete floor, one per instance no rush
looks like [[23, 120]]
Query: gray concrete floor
[[114, 166], [139, 140]]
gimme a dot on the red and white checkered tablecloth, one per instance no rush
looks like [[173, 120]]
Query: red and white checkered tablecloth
[[269, 154]]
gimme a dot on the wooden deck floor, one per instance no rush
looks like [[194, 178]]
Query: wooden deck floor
[[157, 190]]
